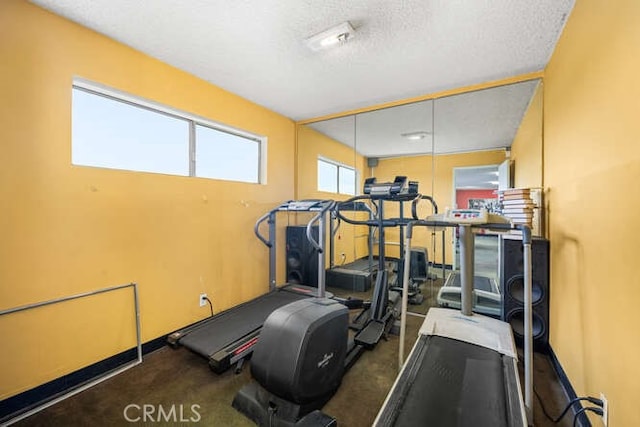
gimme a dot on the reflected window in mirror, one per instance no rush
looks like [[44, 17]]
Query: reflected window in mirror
[[334, 177]]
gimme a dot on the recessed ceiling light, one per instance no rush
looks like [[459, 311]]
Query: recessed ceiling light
[[333, 36], [415, 136]]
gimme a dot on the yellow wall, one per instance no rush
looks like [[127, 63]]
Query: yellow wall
[[68, 229], [591, 171], [526, 150]]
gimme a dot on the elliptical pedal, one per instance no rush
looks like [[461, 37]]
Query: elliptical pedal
[[371, 334]]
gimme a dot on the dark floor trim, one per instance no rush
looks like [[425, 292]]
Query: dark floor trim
[[25, 401], [568, 388]]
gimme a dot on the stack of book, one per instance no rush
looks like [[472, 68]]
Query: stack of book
[[522, 206]]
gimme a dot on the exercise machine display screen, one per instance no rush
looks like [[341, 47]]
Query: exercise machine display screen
[[467, 216], [399, 187]]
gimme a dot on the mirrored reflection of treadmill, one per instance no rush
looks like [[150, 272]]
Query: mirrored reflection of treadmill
[[229, 337], [358, 275], [486, 295], [462, 370]]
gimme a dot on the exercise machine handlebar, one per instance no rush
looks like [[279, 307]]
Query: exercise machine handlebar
[[414, 205], [390, 222], [256, 229], [327, 207], [311, 205]]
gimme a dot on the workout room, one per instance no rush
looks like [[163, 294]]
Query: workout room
[[319, 213]]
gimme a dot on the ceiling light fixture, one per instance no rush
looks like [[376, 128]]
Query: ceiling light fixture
[[333, 36], [415, 136]]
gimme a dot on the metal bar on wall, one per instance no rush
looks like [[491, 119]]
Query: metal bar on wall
[[99, 379]]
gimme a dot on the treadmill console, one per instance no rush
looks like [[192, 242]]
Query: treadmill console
[[389, 190], [469, 216], [302, 205]]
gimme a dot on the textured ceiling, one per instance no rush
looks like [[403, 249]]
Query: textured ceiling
[[480, 120], [255, 48]]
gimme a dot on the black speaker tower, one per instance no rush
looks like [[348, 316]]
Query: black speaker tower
[[302, 258], [512, 288]]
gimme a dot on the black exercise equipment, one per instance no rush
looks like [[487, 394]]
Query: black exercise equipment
[[358, 275], [381, 313], [304, 348], [463, 368], [229, 337], [298, 364]]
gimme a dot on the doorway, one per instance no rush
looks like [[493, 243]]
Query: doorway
[[476, 187]]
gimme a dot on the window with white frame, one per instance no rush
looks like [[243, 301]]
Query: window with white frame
[[116, 131], [334, 177]]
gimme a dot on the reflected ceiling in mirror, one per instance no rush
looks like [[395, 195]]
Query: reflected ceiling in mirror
[[483, 120], [486, 119], [389, 132]]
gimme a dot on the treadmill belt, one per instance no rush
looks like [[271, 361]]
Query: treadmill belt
[[480, 283], [227, 327], [361, 264], [450, 383]]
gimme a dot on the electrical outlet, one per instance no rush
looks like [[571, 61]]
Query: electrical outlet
[[605, 410], [202, 300]]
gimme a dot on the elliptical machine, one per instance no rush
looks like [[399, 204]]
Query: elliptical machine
[[304, 349], [299, 361]]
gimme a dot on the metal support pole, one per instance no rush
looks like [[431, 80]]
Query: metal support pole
[[321, 269], [444, 245], [332, 231], [405, 296], [466, 269], [528, 327], [380, 295], [371, 240], [272, 251]]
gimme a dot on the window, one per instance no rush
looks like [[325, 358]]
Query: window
[[119, 132], [225, 156], [336, 178]]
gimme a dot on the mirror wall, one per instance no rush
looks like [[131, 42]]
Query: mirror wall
[[453, 146]]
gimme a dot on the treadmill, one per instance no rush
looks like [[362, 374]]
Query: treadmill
[[358, 275], [229, 337], [487, 299], [462, 370]]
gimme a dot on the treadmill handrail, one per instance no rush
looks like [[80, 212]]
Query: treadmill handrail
[[334, 230], [256, 228], [323, 211], [325, 204], [414, 205], [369, 222]]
